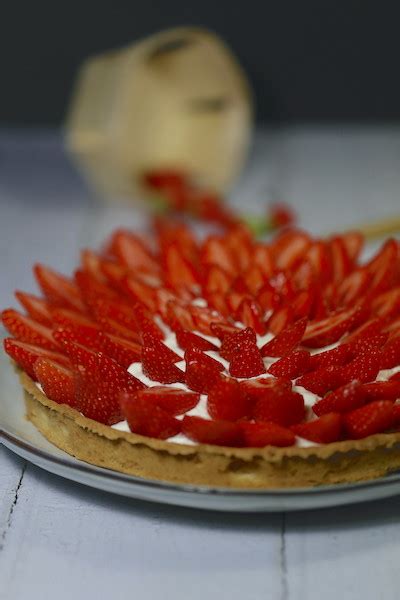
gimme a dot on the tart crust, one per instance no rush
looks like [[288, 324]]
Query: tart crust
[[251, 468]]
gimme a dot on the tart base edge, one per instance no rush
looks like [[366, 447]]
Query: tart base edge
[[242, 468]]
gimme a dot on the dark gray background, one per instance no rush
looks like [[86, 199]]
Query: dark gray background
[[310, 60]]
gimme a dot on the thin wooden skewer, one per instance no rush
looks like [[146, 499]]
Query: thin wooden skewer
[[378, 229]]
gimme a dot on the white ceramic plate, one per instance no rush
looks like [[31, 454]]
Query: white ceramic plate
[[21, 437]]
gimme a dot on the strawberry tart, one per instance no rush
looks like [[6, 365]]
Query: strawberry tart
[[223, 361]]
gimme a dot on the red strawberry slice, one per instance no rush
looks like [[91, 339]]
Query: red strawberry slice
[[219, 433], [280, 406], [368, 329], [27, 330], [115, 328], [140, 292], [344, 399], [254, 279], [262, 258], [329, 330], [158, 365], [382, 390], [165, 180], [239, 241], [391, 354], [91, 289], [258, 435], [178, 316], [336, 357], [221, 329], [203, 317], [365, 367], [353, 242], [179, 272], [145, 323], [57, 381], [201, 377], [117, 310], [233, 342], [387, 305], [257, 388], [69, 319], [37, 308], [228, 401], [132, 252], [92, 263], [280, 319], [325, 430], [291, 366], [289, 248], [114, 274], [251, 315], [395, 377], [217, 301], [174, 401], [286, 341], [194, 354], [247, 361], [215, 252], [164, 352], [26, 355], [383, 267], [370, 419], [216, 280], [322, 380], [186, 339], [319, 258], [59, 290], [148, 419], [352, 287], [268, 298], [341, 263]]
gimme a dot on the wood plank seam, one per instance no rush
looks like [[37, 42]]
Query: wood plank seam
[[9, 519], [283, 560]]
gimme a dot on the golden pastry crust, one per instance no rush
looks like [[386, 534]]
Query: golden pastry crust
[[251, 468]]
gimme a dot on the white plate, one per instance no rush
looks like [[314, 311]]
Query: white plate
[[21, 437]]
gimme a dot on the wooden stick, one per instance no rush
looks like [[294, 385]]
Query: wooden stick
[[378, 229]]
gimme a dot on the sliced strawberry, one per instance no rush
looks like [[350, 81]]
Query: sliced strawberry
[[391, 354], [140, 292], [57, 381], [65, 317], [363, 345], [344, 399], [92, 263], [279, 406], [235, 341], [329, 330], [251, 315], [254, 279], [179, 272], [145, 322], [235, 297], [217, 280], [117, 310], [146, 418], [26, 355], [341, 263], [257, 388], [99, 380], [115, 328], [164, 179], [239, 241], [322, 380], [370, 328], [247, 361], [58, 289], [387, 304], [352, 287], [91, 289], [219, 433], [370, 419], [383, 267], [318, 256], [395, 377], [262, 258], [325, 430], [336, 357], [286, 341], [353, 242], [221, 329], [132, 252], [228, 401], [173, 400], [382, 390], [217, 301], [178, 316], [291, 366], [158, 363], [289, 248], [187, 339], [215, 252], [114, 274], [37, 308], [258, 435], [203, 317], [365, 367], [280, 319], [201, 377], [194, 354], [27, 330], [268, 298]]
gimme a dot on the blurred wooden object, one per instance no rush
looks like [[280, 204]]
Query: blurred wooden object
[[176, 100], [378, 229]]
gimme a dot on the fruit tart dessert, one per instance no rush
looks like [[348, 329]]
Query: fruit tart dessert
[[222, 361]]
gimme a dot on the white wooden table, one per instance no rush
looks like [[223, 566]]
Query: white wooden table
[[62, 540]]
